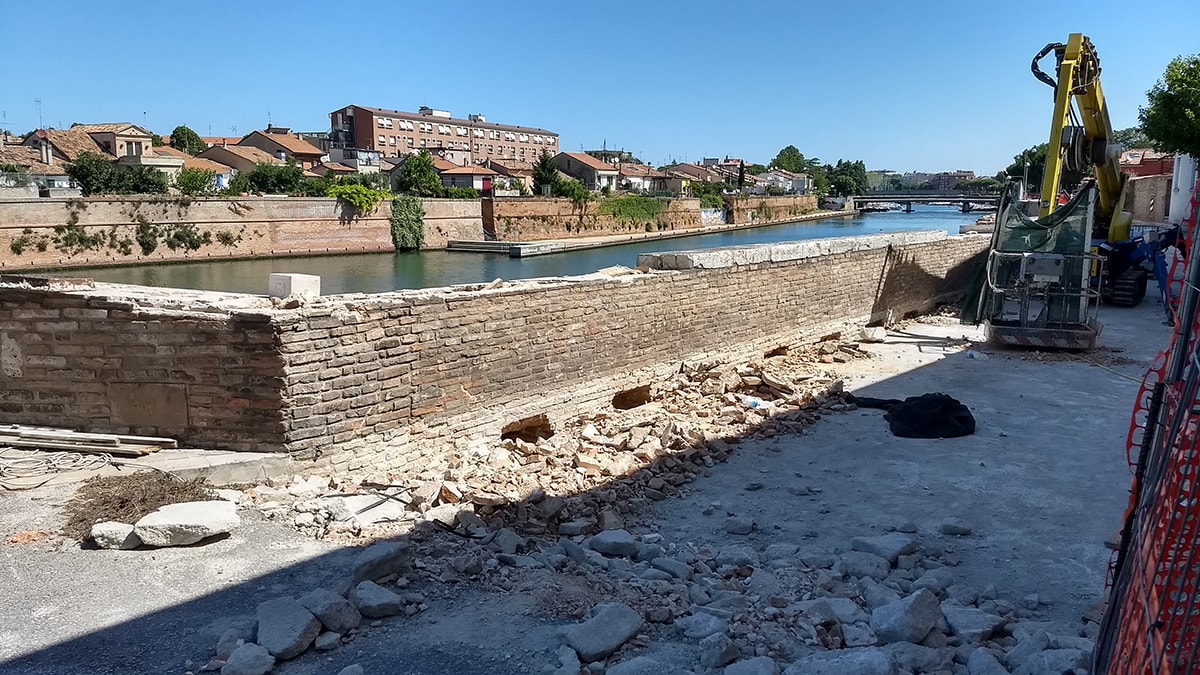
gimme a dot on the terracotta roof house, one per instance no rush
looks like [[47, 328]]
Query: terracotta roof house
[[210, 141], [470, 176], [224, 171], [285, 146], [641, 177], [335, 168], [439, 165], [695, 172], [31, 168], [125, 143], [593, 173], [240, 157], [1147, 162]]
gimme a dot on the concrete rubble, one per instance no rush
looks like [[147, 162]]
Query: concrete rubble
[[888, 602]]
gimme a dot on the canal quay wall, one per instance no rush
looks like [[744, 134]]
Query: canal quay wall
[[95, 231], [752, 209], [538, 218], [402, 381]]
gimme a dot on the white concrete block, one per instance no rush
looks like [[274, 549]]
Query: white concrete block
[[284, 285]]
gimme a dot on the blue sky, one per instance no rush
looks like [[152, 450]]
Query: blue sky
[[903, 86]]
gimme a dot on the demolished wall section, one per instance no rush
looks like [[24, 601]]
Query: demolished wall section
[[402, 381], [99, 363]]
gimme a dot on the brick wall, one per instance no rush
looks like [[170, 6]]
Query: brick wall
[[398, 380], [246, 227], [534, 218], [751, 209]]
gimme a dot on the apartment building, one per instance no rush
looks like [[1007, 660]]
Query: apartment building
[[393, 133]]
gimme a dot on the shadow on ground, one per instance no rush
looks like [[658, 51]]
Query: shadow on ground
[[1043, 480]]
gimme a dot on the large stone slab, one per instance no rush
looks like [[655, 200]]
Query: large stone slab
[[610, 625], [887, 546], [285, 628], [907, 619], [380, 560], [614, 543], [759, 665], [969, 623], [187, 523]]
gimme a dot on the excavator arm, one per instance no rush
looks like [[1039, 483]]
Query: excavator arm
[[1081, 135]]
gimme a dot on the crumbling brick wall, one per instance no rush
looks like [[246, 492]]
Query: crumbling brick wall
[[397, 380]]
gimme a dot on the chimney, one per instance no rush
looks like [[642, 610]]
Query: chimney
[[47, 154]]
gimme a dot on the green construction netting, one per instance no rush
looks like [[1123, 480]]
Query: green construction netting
[[1066, 230]]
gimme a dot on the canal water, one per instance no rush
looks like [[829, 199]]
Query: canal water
[[378, 272]]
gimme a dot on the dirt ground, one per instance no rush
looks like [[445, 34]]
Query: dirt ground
[[1043, 482]]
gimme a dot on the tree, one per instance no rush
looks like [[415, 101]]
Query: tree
[[545, 173], [183, 138], [790, 159], [573, 190], [196, 182], [741, 175], [1172, 118], [156, 140], [96, 175], [843, 186], [1131, 138], [271, 179], [755, 169], [417, 177]]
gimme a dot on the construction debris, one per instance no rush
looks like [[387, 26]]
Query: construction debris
[[49, 438], [127, 499], [688, 423]]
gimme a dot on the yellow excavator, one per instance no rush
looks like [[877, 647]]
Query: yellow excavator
[[1046, 276]]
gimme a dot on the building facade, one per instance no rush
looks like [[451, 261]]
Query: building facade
[[393, 133]]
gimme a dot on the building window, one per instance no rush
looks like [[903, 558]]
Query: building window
[[382, 139], [379, 122]]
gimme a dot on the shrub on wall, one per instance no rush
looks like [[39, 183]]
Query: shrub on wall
[[408, 223], [361, 198], [632, 209], [462, 193]]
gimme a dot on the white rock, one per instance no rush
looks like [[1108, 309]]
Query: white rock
[[353, 669], [908, 619], [859, 661], [113, 535], [235, 496], [614, 543], [187, 523], [307, 489], [872, 334], [249, 659]]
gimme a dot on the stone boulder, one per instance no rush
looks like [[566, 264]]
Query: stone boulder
[[887, 546], [610, 625], [249, 659], [380, 560], [618, 543], [334, 612], [285, 628], [374, 601], [187, 523], [908, 619], [860, 661]]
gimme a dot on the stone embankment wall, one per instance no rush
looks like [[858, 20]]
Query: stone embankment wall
[[107, 230], [752, 209], [534, 218], [385, 380]]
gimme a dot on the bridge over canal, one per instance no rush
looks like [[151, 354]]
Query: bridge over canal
[[966, 203]]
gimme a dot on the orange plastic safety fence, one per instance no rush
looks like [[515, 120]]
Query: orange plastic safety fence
[[1152, 623]]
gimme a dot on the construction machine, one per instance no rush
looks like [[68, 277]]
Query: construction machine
[[1046, 276]]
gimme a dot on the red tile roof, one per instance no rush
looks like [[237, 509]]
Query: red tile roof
[[590, 162]]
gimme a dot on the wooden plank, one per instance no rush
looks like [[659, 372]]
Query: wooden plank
[[124, 450], [52, 433], [71, 437]]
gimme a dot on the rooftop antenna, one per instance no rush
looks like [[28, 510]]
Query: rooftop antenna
[[268, 119], [38, 103]]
